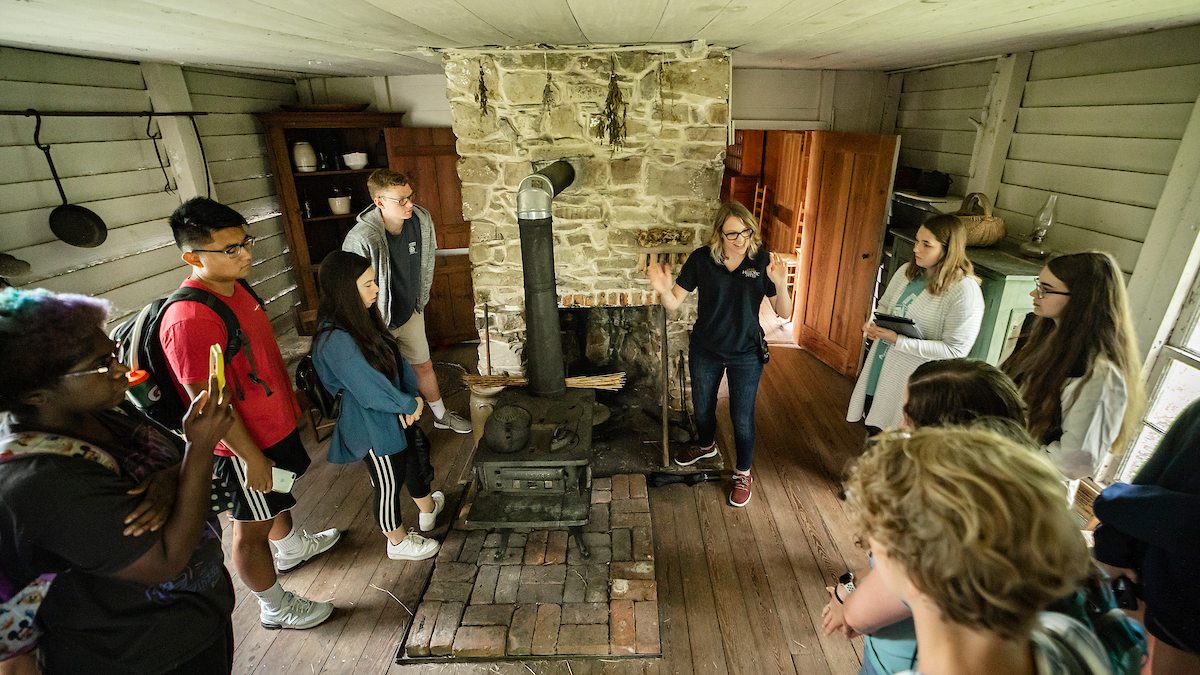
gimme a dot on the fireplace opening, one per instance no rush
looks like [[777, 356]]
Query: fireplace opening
[[627, 435]]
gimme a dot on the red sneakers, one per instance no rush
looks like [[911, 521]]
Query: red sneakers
[[695, 453], [740, 494]]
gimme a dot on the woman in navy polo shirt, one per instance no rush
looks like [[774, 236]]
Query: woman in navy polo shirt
[[733, 274]]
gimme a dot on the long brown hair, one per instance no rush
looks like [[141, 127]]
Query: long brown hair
[[342, 307], [954, 265], [1095, 323], [737, 210]]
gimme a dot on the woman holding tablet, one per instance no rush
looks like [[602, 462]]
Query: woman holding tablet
[[938, 291]]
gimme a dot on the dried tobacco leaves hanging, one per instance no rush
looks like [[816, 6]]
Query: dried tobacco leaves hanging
[[611, 129]]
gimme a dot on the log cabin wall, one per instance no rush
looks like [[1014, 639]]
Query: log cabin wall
[[1100, 124], [109, 165], [934, 118]]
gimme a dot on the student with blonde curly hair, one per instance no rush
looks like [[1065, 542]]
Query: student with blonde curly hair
[[969, 529]]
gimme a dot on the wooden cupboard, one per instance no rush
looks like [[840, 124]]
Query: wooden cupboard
[[429, 159], [312, 230], [828, 198]]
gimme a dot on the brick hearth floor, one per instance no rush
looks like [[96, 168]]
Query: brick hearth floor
[[541, 598]]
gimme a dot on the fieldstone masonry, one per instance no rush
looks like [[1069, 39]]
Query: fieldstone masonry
[[541, 598], [547, 106]]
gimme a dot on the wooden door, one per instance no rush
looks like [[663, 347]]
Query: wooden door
[[849, 183], [429, 158]]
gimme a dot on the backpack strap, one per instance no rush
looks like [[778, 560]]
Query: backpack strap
[[28, 443], [235, 337]]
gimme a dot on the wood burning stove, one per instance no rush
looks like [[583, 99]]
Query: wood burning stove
[[533, 463]]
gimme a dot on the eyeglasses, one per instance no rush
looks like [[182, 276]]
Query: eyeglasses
[[113, 363], [400, 201], [1042, 291], [734, 236], [232, 250]]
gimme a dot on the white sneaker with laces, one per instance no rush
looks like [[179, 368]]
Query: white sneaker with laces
[[295, 612], [414, 547], [452, 421], [429, 520], [314, 545]]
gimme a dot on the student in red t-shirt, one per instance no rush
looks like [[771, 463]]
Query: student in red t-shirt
[[216, 246]]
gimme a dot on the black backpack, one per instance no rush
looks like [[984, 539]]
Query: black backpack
[[309, 382], [139, 347]]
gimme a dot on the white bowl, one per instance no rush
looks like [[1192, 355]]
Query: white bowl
[[355, 160]]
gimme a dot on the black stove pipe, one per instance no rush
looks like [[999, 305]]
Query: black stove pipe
[[543, 342]]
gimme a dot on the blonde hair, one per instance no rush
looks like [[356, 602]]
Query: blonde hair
[[978, 522], [954, 265], [738, 211], [382, 179]]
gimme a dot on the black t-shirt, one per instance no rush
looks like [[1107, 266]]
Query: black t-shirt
[[727, 312], [404, 253], [65, 515]]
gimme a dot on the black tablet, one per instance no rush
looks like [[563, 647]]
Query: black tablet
[[901, 324]]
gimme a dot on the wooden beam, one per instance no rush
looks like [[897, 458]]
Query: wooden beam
[[1170, 256], [169, 93], [891, 103], [1000, 119]]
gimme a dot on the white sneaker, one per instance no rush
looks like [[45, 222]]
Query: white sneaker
[[295, 612], [429, 520], [314, 545], [414, 547], [452, 421]]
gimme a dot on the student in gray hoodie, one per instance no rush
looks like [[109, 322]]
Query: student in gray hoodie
[[397, 236]]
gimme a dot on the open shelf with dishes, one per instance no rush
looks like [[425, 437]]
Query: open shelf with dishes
[[321, 161]]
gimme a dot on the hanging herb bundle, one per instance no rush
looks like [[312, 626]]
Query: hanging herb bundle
[[482, 95], [547, 95], [611, 129]]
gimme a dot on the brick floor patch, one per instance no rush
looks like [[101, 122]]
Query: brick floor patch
[[540, 597]]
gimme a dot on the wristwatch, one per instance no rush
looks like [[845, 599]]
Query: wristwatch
[[847, 580]]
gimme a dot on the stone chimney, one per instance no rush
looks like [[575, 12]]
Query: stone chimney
[[543, 105]]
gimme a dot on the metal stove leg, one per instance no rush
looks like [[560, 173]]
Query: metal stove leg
[[502, 548], [577, 534]]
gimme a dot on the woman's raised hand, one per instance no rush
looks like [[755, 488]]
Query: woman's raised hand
[[660, 277], [777, 270]]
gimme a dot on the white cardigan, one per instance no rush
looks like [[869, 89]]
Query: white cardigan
[[1093, 408], [950, 324]]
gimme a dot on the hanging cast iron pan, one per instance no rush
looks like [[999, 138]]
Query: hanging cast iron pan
[[71, 223]]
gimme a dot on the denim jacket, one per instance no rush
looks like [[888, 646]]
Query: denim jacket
[[371, 402]]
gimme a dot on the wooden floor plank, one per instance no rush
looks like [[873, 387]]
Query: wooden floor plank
[[737, 626], [708, 655], [676, 647]]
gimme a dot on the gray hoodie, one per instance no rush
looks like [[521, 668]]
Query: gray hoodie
[[368, 238]]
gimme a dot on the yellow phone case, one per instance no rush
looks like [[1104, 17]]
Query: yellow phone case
[[216, 365]]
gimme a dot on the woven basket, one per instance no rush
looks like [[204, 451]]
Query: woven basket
[[983, 229]]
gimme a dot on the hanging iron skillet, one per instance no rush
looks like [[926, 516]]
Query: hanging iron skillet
[[74, 224]]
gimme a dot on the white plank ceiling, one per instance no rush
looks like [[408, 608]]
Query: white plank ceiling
[[395, 37]]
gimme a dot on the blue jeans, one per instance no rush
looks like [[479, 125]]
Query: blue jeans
[[744, 372]]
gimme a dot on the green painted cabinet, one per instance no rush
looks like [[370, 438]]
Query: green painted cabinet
[[1006, 278]]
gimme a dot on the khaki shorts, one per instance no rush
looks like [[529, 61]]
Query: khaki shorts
[[414, 346]]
